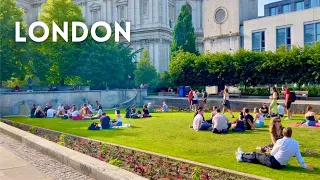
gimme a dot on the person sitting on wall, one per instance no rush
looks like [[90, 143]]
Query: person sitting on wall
[[99, 113], [220, 123], [105, 121], [39, 113], [33, 110], [145, 111], [150, 107], [76, 115], [281, 153]]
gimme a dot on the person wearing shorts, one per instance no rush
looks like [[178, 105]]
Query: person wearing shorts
[[195, 100], [287, 101]]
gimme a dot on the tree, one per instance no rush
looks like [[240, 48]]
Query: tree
[[61, 56], [183, 34], [11, 53], [145, 73]]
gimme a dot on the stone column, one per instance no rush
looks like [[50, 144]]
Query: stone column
[[165, 12], [150, 11], [109, 11], [137, 9], [156, 11], [131, 12]]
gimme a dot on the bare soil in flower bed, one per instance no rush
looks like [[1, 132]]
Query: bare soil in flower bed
[[148, 165]]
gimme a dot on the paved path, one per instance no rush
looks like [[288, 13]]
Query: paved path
[[19, 162], [310, 102]]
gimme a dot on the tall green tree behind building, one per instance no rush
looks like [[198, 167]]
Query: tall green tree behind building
[[183, 34], [12, 54], [145, 73]]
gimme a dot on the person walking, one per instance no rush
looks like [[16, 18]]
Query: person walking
[[226, 102], [287, 101]]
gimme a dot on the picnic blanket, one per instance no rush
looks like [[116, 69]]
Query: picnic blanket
[[304, 125], [123, 126]]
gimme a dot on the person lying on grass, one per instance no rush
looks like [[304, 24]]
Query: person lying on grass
[[281, 153]]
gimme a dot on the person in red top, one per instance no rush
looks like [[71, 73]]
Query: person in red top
[[190, 98], [287, 101]]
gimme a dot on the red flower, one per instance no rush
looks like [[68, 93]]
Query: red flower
[[186, 168]]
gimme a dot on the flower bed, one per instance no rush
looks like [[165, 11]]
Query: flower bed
[[144, 164]]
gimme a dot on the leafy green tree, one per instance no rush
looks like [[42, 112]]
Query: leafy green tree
[[61, 56], [11, 53], [183, 34], [145, 73]]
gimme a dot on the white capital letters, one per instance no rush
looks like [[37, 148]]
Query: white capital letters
[[18, 38], [56, 29], [94, 35], [45, 28], [74, 31], [118, 29]]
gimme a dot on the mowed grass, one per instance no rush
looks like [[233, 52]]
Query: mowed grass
[[169, 134]]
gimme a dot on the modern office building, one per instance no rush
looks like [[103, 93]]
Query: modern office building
[[152, 21]]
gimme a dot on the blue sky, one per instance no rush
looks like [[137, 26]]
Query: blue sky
[[262, 3]]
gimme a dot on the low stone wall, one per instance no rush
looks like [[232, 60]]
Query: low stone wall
[[236, 104], [146, 164], [19, 103]]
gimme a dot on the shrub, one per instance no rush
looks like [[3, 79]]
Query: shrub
[[115, 162]]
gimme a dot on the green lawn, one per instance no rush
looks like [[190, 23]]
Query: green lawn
[[169, 133]]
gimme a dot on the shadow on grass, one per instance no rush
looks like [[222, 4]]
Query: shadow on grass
[[300, 170]]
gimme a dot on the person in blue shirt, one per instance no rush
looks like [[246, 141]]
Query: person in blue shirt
[[164, 107]]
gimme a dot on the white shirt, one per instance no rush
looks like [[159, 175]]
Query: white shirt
[[50, 113], [196, 121], [281, 109], [99, 113], [285, 149], [75, 113], [219, 122], [119, 119], [195, 95], [260, 119], [60, 108], [90, 107]]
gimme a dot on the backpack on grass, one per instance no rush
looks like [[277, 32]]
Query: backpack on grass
[[293, 96]]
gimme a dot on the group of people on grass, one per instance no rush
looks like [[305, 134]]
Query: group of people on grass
[[132, 112]]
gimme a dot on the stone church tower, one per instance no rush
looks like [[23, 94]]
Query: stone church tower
[[152, 21], [223, 23]]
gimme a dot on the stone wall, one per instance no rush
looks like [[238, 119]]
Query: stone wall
[[19, 103]]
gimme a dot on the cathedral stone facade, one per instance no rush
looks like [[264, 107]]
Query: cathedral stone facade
[[152, 21]]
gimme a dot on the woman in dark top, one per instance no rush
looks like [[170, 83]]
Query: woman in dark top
[[39, 113], [239, 124], [311, 118], [275, 130], [33, 110], [145, 111]]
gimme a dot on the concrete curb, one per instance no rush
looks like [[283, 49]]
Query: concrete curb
[[85, 164]]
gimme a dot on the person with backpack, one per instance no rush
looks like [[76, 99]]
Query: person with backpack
[[289, 97]]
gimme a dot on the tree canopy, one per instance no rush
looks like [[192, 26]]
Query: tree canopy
[[145, 73]]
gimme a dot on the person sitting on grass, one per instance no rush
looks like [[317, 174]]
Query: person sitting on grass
[[275, 130], [239, 124], [213, 113], [248, 120], [51, 113], [90, 108], [220, 123], [265, 110], [150, 107], [33, 110], [39, 113], [60, 110], [258, 118], [199, 123], [48, 106], [145, 111], [311, 118], [164, 107], [133, 112], [281, 110], [105, 121], [118, 120], [281, 153], [99, 113], [76, 115]]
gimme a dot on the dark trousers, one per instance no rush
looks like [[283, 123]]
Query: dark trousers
[[223, 131], [258, 158]]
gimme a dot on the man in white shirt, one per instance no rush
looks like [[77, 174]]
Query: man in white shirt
[[282, 152], [50, 113], [220, 123], [281, 110], [198, 122]]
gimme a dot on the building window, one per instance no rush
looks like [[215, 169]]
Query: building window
[[284, 37], [314, 3], [258, 41], [145, 8], [122, 14], [299, 5], [286, 8], [273, 11], [311, 33]]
